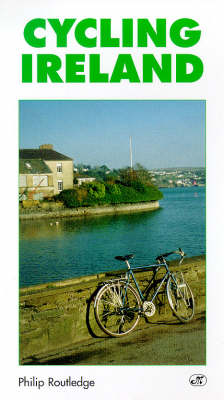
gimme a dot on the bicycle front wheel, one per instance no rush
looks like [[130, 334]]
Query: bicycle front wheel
[[181, 299], [117, 309]]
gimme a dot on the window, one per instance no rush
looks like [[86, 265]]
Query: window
[[40, 180], [60, 186], [59, 167], [22, 181]]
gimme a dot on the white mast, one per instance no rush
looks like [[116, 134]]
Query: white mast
[[130, 153]]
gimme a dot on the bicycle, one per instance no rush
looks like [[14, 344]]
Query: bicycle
[[118, 305]]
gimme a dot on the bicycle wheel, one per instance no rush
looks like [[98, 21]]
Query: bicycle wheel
[[180, 297], [116, 309]]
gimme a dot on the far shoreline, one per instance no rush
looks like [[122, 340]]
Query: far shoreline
[[90, 211]]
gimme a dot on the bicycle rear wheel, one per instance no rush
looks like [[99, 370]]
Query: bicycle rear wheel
[[117, 308], [180, 297]]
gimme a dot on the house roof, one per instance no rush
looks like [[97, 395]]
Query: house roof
[[42, 154], [29, 166]]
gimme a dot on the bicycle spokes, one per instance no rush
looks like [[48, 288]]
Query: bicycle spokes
[[180, 298], [117, 309]]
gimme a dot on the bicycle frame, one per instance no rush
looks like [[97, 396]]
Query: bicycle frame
[[130, 274]]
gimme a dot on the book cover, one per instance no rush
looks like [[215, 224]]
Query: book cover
[[113, 117]]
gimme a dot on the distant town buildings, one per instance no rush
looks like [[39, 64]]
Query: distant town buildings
[[43, 172], [174, 177]]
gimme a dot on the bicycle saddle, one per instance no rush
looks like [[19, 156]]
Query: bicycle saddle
[[124, 258]]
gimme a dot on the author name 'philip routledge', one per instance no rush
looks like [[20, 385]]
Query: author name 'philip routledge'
[[35, 382]]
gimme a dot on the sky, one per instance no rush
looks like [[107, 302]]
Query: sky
[[165, 134]]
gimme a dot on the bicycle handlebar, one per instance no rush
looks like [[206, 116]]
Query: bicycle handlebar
[[179, 252]]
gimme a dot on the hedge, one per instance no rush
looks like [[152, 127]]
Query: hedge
[[97, 193]]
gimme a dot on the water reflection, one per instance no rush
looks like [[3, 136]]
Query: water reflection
[[50, 228], [83, 246]]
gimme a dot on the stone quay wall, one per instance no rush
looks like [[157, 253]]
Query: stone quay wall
[[85, 211], [57, 315]]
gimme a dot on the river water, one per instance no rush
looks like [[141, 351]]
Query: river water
[[52, 250]]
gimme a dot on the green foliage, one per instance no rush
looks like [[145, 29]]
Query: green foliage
[[96, 193], [135, 177], [69, 197], [143, 175], [126, 185], [96, 190]]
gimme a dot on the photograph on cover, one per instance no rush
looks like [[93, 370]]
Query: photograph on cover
[[112, 232]]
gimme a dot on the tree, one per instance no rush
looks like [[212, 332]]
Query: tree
[[96, 190], [127, 176], [143, 174], [137, 174]]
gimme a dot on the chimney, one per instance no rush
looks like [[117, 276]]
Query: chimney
[[46, 146]]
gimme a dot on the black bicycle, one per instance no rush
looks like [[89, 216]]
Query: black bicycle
[[119, 305]]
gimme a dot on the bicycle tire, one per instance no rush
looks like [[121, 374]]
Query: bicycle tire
[[180, 298], [113, 317]]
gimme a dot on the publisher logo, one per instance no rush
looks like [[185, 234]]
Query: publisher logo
[[198, 380]]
